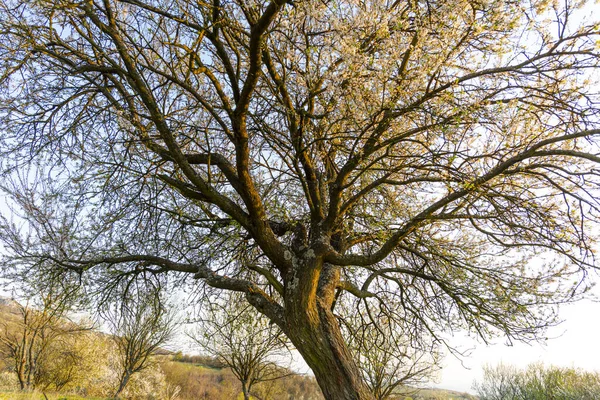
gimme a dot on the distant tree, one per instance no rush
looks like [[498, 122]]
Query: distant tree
[[537, 382], [140, 324], [243, 340], [34, 341], [73, 362], [501, 382], [417, 153], [298, 387], [393, 358]]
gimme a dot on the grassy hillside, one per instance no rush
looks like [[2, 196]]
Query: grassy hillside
[[201, 382]]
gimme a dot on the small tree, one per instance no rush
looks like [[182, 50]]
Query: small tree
[[141, 324], [242, 339], [30, 340], [390, 355], [499, 383]]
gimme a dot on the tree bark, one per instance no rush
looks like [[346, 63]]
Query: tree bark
[[315, 332]]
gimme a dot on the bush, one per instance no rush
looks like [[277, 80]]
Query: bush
[[537, 382], [8, 381]]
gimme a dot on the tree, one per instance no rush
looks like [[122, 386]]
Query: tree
[[140, 326], [499, 383], [418, 154], [243, 340], [393, 358], [504, 382], [33, 341], [72, 362]]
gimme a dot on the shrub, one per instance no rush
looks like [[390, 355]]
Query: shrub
[[537, 382]]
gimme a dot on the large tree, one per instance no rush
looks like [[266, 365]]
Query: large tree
[[413, 154]]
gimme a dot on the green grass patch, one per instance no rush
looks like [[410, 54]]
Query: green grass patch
[[196, 367]]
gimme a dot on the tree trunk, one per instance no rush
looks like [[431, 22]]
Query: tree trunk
[[20, 370], [324, 350], [315, 332], [245, 391], [122, 384]]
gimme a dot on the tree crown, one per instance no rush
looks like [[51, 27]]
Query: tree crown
[[414, 155]]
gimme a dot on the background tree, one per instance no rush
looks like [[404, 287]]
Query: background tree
[[394, 359], [419, 154], [140, 326], [243, 340], [35, 339], [77, 362], [499, 383]]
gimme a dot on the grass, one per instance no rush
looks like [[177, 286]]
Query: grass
[[40, 396]]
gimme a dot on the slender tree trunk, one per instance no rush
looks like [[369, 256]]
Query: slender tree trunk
[[21, 360], [21, 381], [315, 332], [122, 384], [20, 369], [245, 391]]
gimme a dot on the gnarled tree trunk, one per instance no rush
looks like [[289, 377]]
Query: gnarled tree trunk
[[315, 332]]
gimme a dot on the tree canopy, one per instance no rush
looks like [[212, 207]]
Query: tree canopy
[[413, 155]]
